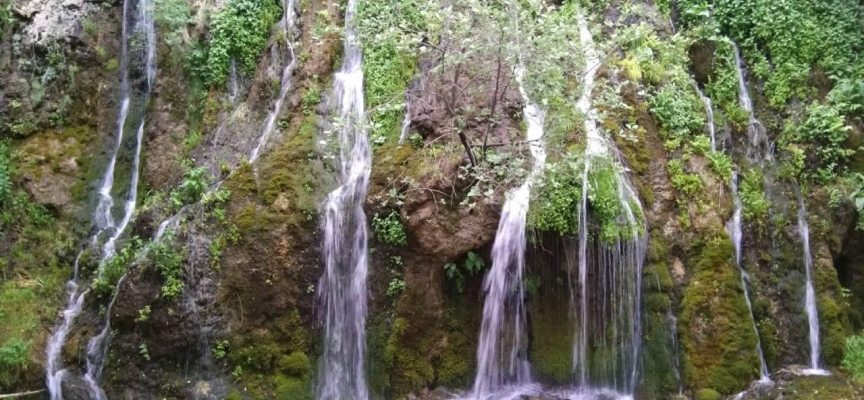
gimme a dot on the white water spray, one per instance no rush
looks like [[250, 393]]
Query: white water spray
[[342, 287]]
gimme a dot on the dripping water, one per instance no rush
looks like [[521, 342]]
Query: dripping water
[[342, 294], [287, 24], [809, 291], [734, 229], [676, 349], [615, 279]]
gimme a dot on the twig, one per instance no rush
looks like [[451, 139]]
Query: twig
[[20, 394]]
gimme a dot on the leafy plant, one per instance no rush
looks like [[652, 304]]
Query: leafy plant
[[389, 229], [473, 265], [14, 354], [396, 287], [823, 133], [142, 349], [190, 190], [143, 314], [239, 31], [753, 202], [221, 349], [853, 360]]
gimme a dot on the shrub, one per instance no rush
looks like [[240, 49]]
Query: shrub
[[853, 361], [5, 173], [824, 132]]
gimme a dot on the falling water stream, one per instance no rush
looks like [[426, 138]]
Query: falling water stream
[[342, 287], [502, 361], [140, 24], [607, 308], [809, 290], [709, 112], [733, 227]]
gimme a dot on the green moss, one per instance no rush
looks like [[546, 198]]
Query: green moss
[[289, 388], [296, 364], [707, 394], [458, 361], [234, 394], [294, 173], [718, 348], [552, 341], [658, 371], [832, 333], [412, 371]]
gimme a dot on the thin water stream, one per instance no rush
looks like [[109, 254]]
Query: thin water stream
[[809, 291]]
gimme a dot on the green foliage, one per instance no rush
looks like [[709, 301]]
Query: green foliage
[[721, 164], [395, 288], [753, 202], [5, 172], [793, 36], [14, 354], [6, 18], [168, 260], [389, 229], [680, 113], [388, 63], [848, 95], [190, 190], [221, 349], [558, 196], [145, 353], [143, 314], [823, 134], [686, 184], [853, 361], [606, 205], [171, 17], [114, 267], [239, 31], [472, 266]]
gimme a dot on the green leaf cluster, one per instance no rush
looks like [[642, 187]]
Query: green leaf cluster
[[239, 31], [853, 360], [389, 229]]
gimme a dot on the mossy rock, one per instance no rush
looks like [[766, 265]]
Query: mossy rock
[[707, 394], [719, 343]]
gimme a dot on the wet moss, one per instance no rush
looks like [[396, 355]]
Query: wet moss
[[718, 344], [411, 370], [707, 394], [551, 344]]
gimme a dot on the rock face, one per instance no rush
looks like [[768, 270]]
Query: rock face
[[237, 317]]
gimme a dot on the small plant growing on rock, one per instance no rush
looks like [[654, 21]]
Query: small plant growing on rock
[[221, 349], [473, 265], [396, 287], [143, 314], [389, 229]]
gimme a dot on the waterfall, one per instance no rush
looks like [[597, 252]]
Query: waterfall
[[287, 24], [97, 347], [501, 354], [342, 287], [755, 130], [809, 290], [103, 215], [733, 227], [611, 292], [709, 111]]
